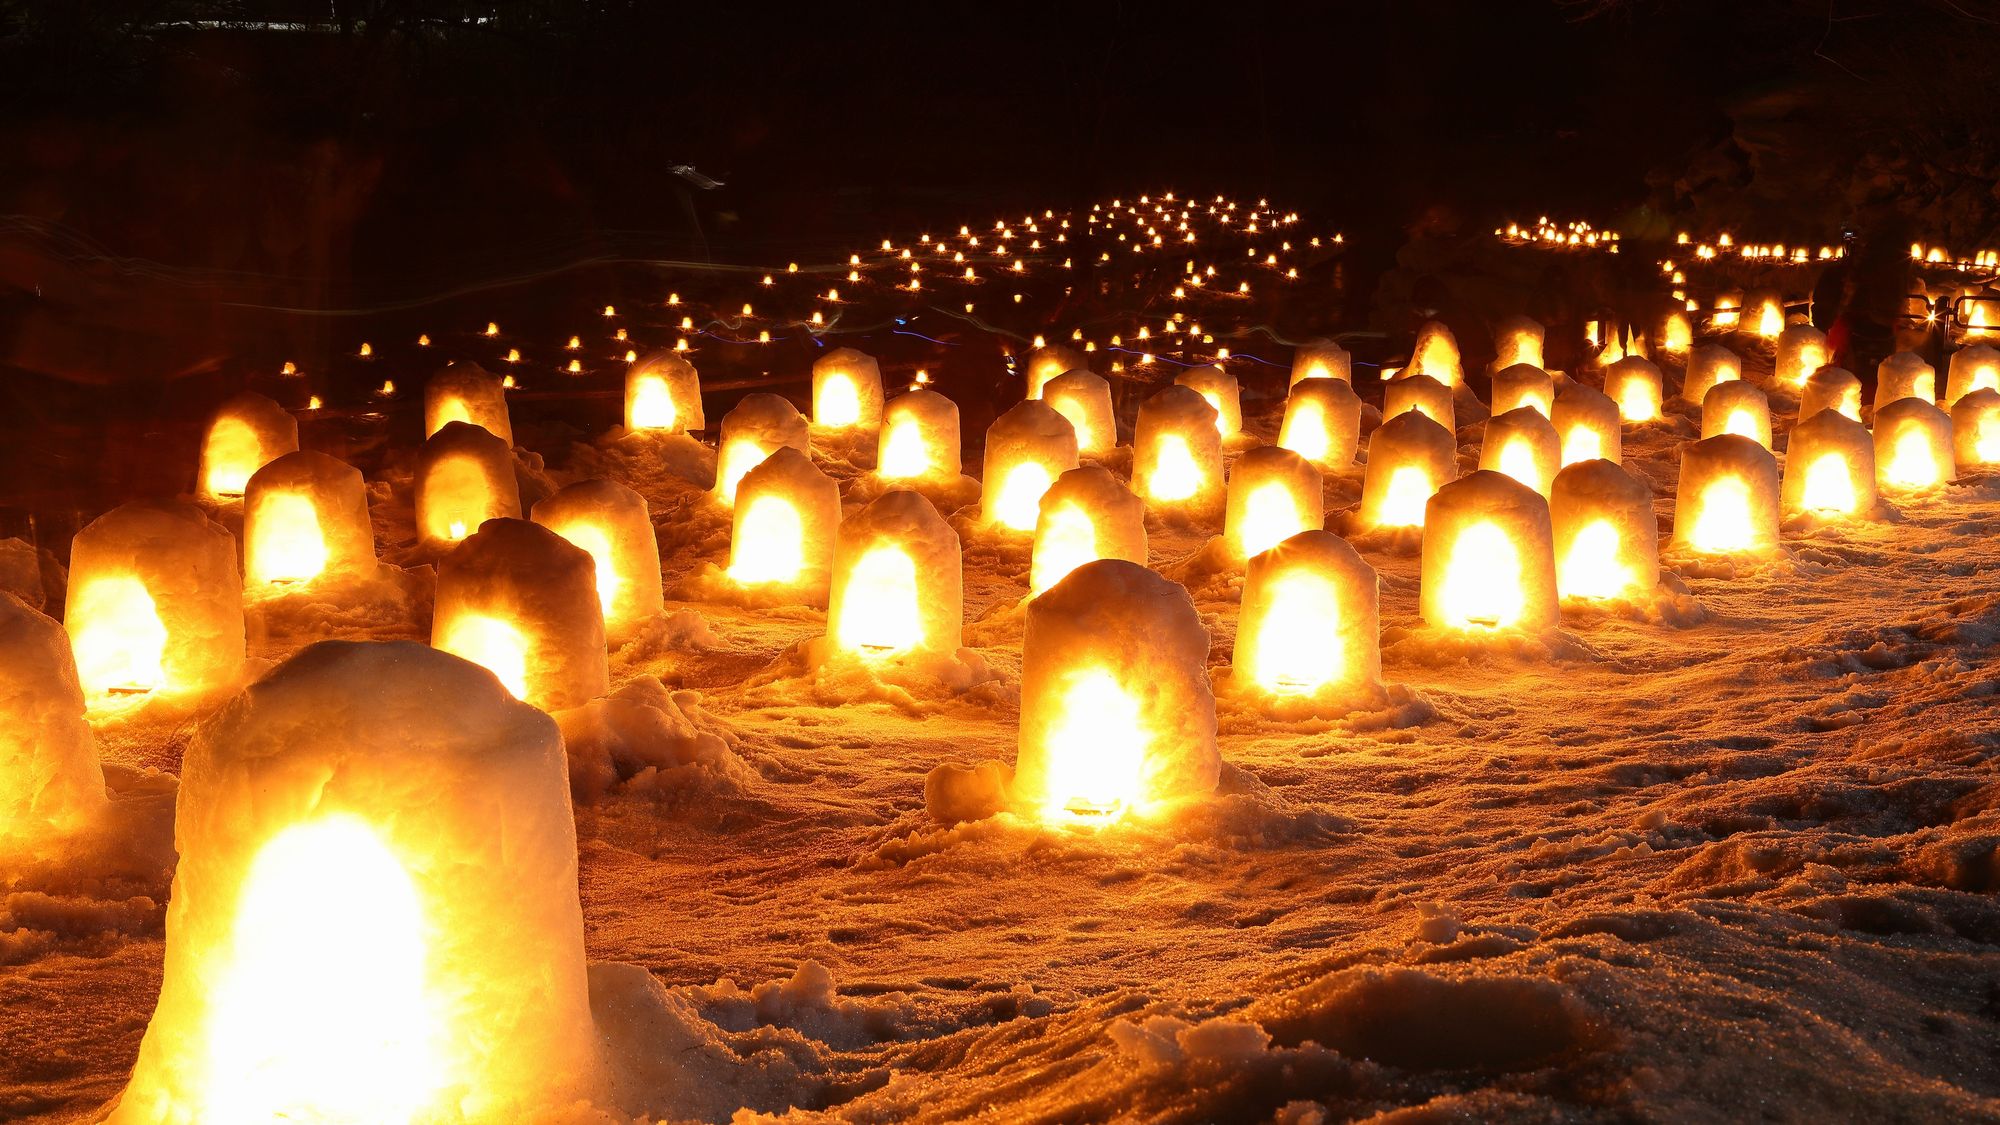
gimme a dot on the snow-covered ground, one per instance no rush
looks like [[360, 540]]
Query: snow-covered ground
[[1734, 861]]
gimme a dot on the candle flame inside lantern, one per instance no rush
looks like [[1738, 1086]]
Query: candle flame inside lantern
[[595, 542], [323, 1012], [653, 404], [1517, 460], [770, 544], [838, 402], [1304, 431], [880, 615], [1067, 540], [1096, 749], [738, 457], [1175, 474], [291, 546], [1912, 463], [1298, 649], [452, 410], [1591, 568], [1724, 523], [1772, 321], [494, 645], [1582, 443], [118, 637], [1743, 423], [1636, 402], [1271, 516], [1828, 486], [1482, 583], [1403, 501], [904, 454], [234, 452], [1020, 500]]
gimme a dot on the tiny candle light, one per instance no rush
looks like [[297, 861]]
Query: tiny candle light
[[1728, 496], [1223, 393], [758, 426], [1523, 384], [1904, 375], [1830, 466], [305, 523], [1607, 542], [786, 522], [467, 392], [1488, 556], [155, 604], [1707, 366], [1409, 457], [898, 583], [1085, 399], [1274, 494], [1311, 621], [1177, 454], [1737, 407], [1420, 393], [1087, 514], [1975, 430], [521, 601], [1913, 446], [465, 476], [1322, 422], [1321, 359], [1830, 388], [1027, 448], [247, 432], [1972, 368], [1589, 422], [919, 442], [1635, 385], [847, 390], [1523, 444], [610, 522], [663, 392], [1117, 717]]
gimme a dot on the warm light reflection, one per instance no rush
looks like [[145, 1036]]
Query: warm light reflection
[[1215, 400], [838, 401], [1986, 446], [904, 453], [1771, 322], [452, 410], [1304, 431], [1175, 474], [1637, 402], [1019, 503], [1298, 648], [1067, 539], [653, 404], [492, 644], [769, 544], [594, 541], [1592, 568], [290, 546], [1724, 523], [1582, 443], [1403, 501], [1744, 422], [1271, 516], [1482, 582], [879, 614], [233, 454], [1517, 460], [1829, 487], [738, 458], [1912, 461], [1096, 749], [118, 638], [324, 1011]]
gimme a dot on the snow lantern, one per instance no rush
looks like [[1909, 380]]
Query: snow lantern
[[1489, 556], [467, 392], [1177, 453], [1322, 422], [1830, 388], [1635, 385], [1913, 447], [247, 433], [1737, 407], [663, 392], [1522, 444], [305, 519], [1436, 355], [155, 604], [1409, 458], [1972, 368], [50, 782], [1027, 448], [1764, 314], [1728, 310], [1116, 710], [521, 601], [755, 428], [1045, 363], [1422, 394], [1975, 428], [847, 391], [1830, 466], [1676, 332], [898, 581], [1523, 384], [1590, 424], [1088, 513], [1085, 399], [611, 524], [465, 476], [1727, 500], [375, 913], [787, 521], [1518, 340], [1707, 366], [1802, 350], [1321, 359], [1220, 388], [1607, 541], [919, 441], [1311, 620], [1273, 495], [1904, 375]]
